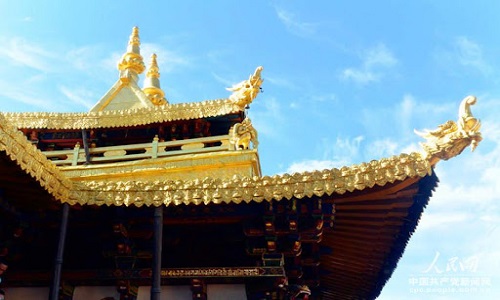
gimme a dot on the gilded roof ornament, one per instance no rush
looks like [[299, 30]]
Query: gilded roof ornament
[[132, 59], [245, 91], [451, 138], [241, 134], [152, 83]]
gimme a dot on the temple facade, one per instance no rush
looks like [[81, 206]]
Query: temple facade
[[142, 198]]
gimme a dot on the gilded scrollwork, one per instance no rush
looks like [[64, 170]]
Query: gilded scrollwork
[[245, 91], [242, 134], [451, 138]]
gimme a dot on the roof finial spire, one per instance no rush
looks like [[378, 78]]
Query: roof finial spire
[[132, 59], [152, 83]]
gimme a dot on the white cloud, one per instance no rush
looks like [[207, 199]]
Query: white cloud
[[443, 221], [463, 54], [267, 117], [342, 152], [219, 56], [282, 82], [407, 111], [167, 60], [344, 149], [79, 96], [328, 97], [225, 81], [382, 148], [379, 55], [83, 58], [362, 76], [375, 61], [299, 28], [16, 93], [412, 147], [470, 54], [22, 52], [400, 120], [312, 165]]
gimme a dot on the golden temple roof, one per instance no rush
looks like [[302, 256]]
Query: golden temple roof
[[128, 105], [449, 140], [373, 192], [207, 190]]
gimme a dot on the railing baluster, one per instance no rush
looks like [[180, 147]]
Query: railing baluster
[[154, 148], [157, 150], [76, 154]]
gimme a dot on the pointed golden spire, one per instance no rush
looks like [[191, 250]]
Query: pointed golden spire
[[132, 59], [153, 70], [152, 83]]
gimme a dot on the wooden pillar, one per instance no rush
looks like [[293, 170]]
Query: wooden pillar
[[86, 146], [156, 268], [56, 280]]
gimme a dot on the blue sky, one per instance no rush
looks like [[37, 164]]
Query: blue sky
[[345, 82]]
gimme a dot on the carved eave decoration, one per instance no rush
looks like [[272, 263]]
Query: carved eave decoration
[[208, 190], [121, 118], [33, 162], [245, 189]]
